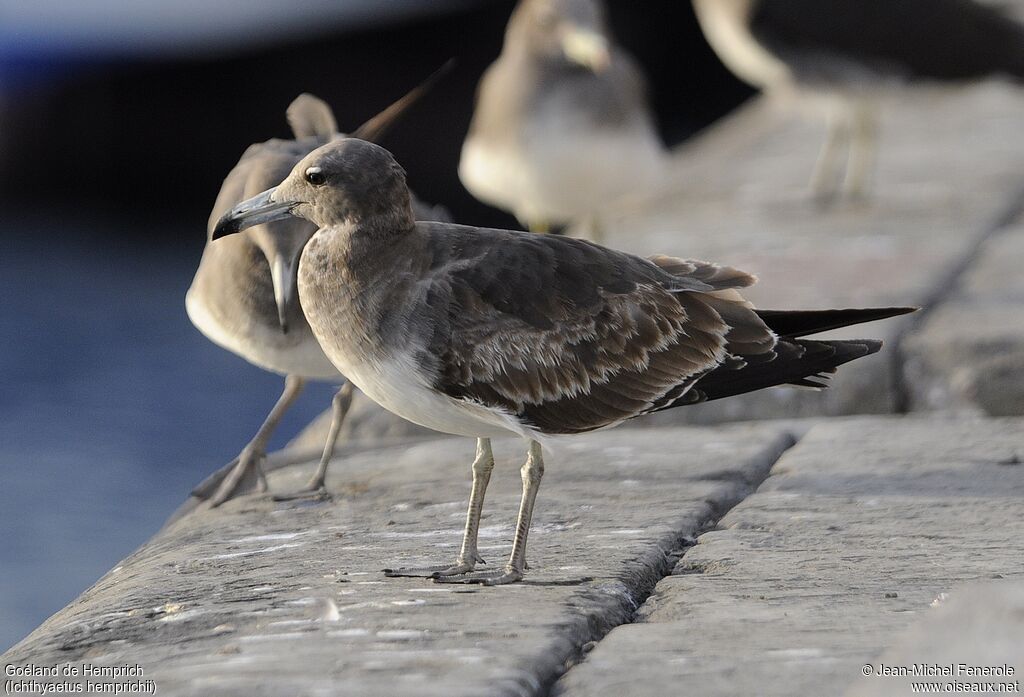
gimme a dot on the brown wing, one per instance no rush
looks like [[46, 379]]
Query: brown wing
[[571, 337]]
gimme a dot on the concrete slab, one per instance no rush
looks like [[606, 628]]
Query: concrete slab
[[969, 353], [859, 528], [971, 643], [258, 598]]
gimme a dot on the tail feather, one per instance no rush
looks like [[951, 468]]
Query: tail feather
[[803, 363], [374, 129], [792, 324]]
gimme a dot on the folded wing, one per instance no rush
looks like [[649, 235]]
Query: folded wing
[[608, 336]]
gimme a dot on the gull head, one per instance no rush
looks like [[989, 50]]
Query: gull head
[[561, 31], [280, 240], [345, 182]]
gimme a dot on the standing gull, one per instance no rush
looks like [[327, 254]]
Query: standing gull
[[244, 298], [485, 333], [847, 50], [561, 126]]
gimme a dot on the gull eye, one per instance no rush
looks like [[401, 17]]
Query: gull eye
[[315, 176]]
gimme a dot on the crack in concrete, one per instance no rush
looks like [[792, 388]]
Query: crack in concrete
[[947, 287], [659, 563]]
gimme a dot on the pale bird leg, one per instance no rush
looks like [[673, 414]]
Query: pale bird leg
[[594, 229], [468, 557], [539, 226], [863, 149], [828, 168], [253, 453], [532, 471]]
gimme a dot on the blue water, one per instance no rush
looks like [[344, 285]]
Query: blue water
[[112, 406]]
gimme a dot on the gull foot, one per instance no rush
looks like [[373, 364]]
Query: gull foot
[[435, 572], [307, 494], [498, 577], [238, 477]]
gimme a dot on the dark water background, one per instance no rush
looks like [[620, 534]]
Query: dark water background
[[112, 405]]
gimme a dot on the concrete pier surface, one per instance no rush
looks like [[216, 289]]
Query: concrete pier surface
[[809, 561], [778, 556], [861, 528]]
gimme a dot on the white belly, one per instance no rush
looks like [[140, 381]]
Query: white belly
[[563, 175], [495, 175], [263, 347], [396, 385]]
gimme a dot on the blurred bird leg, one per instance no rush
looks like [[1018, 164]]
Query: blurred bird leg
[[863, 148], [468, 557], [593, 228], [539, 226], [339, 408], [829, 168], [255, 451]]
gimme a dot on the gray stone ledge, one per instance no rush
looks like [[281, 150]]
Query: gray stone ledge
[[859, 528], [969, 354], [264, 598]]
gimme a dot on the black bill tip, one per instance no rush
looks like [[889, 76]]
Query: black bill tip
[[258, 210]]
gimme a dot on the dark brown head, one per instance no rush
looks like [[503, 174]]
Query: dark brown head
[[347, 182]]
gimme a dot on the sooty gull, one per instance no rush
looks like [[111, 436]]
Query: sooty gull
[[244, 297], [561, 126], [847, 50], [485, 333]]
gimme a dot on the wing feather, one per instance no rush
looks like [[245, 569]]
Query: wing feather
[[570, 337]]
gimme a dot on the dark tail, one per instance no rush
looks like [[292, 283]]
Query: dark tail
[[374, 129], [796, 361], [1015, 67], [1003, 36], [803, 363], [792, 324]]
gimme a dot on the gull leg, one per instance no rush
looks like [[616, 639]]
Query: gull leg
[[249, 459], [315, 487], [863, 148], [539, 226], [468, 557], [483, 464], [825, 178], [594, 228], [532, 472]]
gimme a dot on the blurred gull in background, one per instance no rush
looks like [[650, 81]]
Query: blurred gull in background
[[244, 296], [561, 127], [847, 50]]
